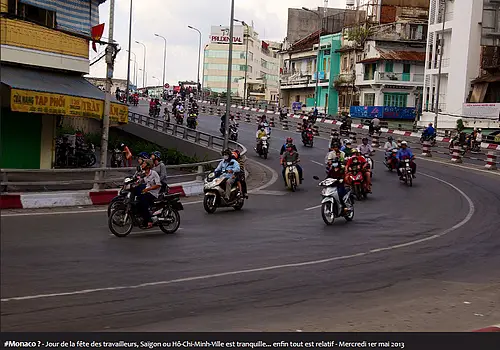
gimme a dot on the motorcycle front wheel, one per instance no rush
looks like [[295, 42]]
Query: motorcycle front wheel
[[327, 213], [115, 204], [91, 160], [209, 204], [120, 222], [174, 219]]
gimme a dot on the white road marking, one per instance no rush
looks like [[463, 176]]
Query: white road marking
[[267, 268], [73, 212], [315, 162], [311, 208]]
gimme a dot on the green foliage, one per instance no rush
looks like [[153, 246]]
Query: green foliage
[[460, 125], [359, 35]]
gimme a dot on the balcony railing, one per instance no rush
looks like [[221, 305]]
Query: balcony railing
[[388, 77]]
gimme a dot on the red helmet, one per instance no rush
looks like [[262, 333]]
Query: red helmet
[[289, 140]]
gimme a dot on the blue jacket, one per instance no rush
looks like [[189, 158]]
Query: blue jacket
[[404, 153], [429, 131], [224, 166]]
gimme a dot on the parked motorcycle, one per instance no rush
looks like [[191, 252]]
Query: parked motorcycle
[[308, 138], [215, 189], [331, 204], [116, 158], [292, 177], [125, 215], [391, 161], [263, 150], [405, 169], [233, 132], [358, 182]]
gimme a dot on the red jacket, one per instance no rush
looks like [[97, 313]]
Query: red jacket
[[361, 161]]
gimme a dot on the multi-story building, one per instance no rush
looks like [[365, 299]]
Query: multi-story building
[[386, 55], [44, 55], [455, 48], [257, 58]]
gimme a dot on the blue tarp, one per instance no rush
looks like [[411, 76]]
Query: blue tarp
[[383, 112]]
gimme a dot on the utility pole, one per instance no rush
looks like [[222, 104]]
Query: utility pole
[[198, 87], [129, 50], [164, 63], [110, 57], [229, 71], [441, 53]]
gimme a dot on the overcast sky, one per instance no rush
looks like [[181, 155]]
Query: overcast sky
[[170, 19]]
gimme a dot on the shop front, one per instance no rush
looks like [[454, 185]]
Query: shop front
[[33, 103]]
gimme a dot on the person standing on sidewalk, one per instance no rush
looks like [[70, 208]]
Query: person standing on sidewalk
[[128, 155]]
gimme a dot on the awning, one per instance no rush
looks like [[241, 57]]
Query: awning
[[46, 92]]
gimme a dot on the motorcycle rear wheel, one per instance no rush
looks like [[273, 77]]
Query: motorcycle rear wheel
[[327, 213], [113, 222], [239, 205]]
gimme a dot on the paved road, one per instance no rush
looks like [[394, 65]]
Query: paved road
[[273, 266]]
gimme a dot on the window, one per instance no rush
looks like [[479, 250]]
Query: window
[[223, 54], [32, 13], [250, 69], [406, 68], [222, 66], [370, 70], [395, 99], [250, 56], [342, 101], [389, 67], [369, 99], [344, 64], [358, 58]]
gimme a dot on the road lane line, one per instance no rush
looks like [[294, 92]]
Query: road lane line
[[467, 218], [315, 162]]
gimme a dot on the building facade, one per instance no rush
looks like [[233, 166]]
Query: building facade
[[44, 55], [256, 58], [457, 48]]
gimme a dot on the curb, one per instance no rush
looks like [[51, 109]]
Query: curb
[[495, 328], [489, 146], [81, 198]]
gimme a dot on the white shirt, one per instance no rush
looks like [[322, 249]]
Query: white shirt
[[151, 180], [388, 145], [479, 137], [376, 122]]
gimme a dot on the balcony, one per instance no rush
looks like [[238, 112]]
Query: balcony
[[296, 79], [31, 44], [403, 79]]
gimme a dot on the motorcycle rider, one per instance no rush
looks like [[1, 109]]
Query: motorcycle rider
[[335, 152], [374, 126], [347, 149], [389, 145], [337, 171], [405, 153], [149, 193], [291, 156], [161, 169], [259, 135], [361, 161], [289, 141], [366, 148], [335, 139], [429, 132], [241, 182], [228, 168]]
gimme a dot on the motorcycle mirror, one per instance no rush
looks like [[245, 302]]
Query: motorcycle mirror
[[315, 177]]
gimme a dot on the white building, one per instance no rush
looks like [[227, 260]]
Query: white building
[[461, 60], [261, 65]]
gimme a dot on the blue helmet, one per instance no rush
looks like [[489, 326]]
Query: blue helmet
[[157, 155], [143, 155]]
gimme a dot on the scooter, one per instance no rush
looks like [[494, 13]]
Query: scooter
[[292, 177], [391, 161], [264, 147], [233, 132], [331, 205], [214, 189], [308, 138], [357, 183], [406, 172]]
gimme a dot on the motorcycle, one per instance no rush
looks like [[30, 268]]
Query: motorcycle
[[358, 182], [331, 205], [344, 129], [292, 177], [267, 128], [215, 189], [406, 172], [126, 214], [135, 101], [191, 122], [369, 160], [431, 138], [264, 147], [154, 111], [391, 160], [179, 118], [233, 132], [308, 138], [127, 186], [116, 158]]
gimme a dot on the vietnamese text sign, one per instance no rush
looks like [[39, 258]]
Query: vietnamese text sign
[[220, 35], [482, 110]]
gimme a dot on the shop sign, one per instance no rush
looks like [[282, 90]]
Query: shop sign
[[118, 113]]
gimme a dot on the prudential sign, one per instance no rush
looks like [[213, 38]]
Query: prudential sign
[[220, 35]]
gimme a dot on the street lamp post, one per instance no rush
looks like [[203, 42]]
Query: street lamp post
[[144, 66], [144, 78], [229, 80], [246, 63], [164, 63], [199, 58], [135, 67], [129, 50], [316, 89]]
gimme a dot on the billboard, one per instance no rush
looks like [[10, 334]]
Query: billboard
[[481, 110], [220, 35]]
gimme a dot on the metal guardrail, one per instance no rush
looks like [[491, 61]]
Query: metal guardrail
[[100, 174]]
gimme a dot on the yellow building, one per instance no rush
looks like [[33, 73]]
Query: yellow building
[[44, 55]]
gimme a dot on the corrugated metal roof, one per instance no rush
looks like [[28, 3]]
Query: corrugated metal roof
[[391, 55]]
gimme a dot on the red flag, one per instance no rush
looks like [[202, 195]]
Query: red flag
[[96, 34]]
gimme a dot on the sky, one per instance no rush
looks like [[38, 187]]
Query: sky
[[171, 18]]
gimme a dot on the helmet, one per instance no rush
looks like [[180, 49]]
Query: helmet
[[365, 139], [347, 142], [143, 155], [404, 143], [355, 150], [289, 140], [261, 128], [156, 154], [236, 154], [227, 152], [122, 145]]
